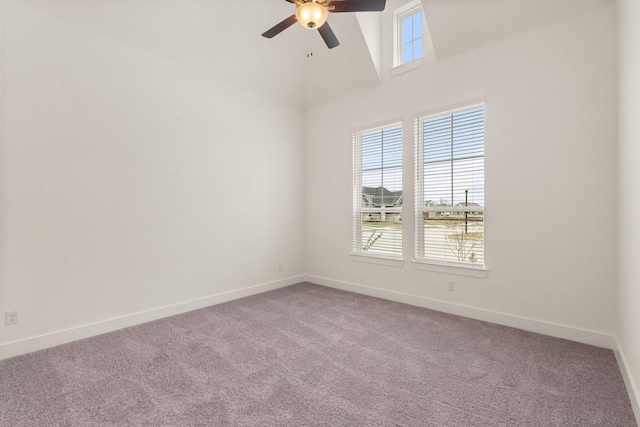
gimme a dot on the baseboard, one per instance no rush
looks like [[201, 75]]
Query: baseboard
[[571, 333], [31, 344], [632, 387]]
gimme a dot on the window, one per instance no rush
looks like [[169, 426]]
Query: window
[[377, 192], [449, 198], [408, 33]]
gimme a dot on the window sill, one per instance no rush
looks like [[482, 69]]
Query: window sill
[[403, 68], [373, 259], [451, 269]]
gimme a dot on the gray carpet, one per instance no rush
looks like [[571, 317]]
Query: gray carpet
[[307, 355]]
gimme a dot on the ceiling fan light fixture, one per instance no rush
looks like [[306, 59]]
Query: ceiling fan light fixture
[[311, 15]]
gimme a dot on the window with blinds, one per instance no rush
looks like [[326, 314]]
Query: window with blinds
[[449, 198], [377, 192]]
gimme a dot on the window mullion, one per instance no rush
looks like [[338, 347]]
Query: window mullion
[[451, 130]]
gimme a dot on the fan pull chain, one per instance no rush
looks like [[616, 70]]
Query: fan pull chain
[[309, 45]]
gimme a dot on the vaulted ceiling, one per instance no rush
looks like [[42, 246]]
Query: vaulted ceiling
[[222, 38], [457, 26]]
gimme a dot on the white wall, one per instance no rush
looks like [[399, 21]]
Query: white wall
[[550, 179], [120, 175], [628, 327], [130, 184]]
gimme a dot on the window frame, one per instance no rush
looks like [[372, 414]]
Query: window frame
[[357, 253], [420, 261], [398, 15]]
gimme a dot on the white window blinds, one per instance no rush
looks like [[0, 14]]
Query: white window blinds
[[450, 187], [377, 191]]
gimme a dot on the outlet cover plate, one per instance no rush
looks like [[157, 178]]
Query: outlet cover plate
[[10, 318]]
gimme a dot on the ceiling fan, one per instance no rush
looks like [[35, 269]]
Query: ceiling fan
[[312, 14]]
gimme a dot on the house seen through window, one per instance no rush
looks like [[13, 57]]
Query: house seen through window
[[377, 192], [449, 199]]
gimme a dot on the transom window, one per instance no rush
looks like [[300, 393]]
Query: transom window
[[408, 33], [377, 191]]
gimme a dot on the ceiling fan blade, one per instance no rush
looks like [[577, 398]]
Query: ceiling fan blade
[[327, 35], [278, 28], [356, 6]]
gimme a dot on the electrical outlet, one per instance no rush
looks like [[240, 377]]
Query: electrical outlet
[[10, 318], [451, 286]]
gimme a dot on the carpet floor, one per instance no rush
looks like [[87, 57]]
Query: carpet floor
[[308, 355]]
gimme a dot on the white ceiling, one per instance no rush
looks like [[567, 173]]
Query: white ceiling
[[222, 38], [457, 26]]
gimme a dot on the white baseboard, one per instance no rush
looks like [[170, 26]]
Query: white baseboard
[[629, 382], [557, 330], [28, 345]]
